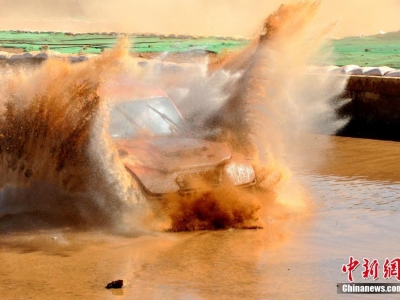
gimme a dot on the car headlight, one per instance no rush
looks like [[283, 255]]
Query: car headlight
[[239, 173]]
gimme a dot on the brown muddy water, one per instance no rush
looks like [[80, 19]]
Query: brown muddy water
[[355, 187]]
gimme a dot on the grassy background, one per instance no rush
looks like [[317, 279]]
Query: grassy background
[[377, 50], [95, 43]]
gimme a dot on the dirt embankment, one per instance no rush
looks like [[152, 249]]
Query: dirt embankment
[[373, 106]]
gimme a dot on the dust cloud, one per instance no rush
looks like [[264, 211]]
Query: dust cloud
[[54, 141], [56, 159]]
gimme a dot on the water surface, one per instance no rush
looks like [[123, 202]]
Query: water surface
[[355, 185]]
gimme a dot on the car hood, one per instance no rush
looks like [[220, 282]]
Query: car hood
[[172, 154]]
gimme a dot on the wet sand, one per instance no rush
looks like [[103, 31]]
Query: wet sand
[[355, 185]]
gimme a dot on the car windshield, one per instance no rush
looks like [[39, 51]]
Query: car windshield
[[144, 118]]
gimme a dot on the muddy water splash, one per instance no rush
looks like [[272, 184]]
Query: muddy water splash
[[54, 142], [281, 98], [56, 161], [260, 100], [276, 91]]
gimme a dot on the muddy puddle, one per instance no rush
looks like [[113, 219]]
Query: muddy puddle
[[356, 212]]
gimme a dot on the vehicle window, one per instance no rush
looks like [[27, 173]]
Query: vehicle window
[[144, 118]]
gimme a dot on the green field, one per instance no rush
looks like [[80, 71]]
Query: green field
[[377, 50], [95, 43]]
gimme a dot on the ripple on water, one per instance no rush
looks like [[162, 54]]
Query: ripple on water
[[345, 192]]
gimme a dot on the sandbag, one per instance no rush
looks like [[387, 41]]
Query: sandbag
[[352, 70], [395, 73], [376, 71]]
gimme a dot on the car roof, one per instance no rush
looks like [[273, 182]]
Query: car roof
[[128, 89]]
